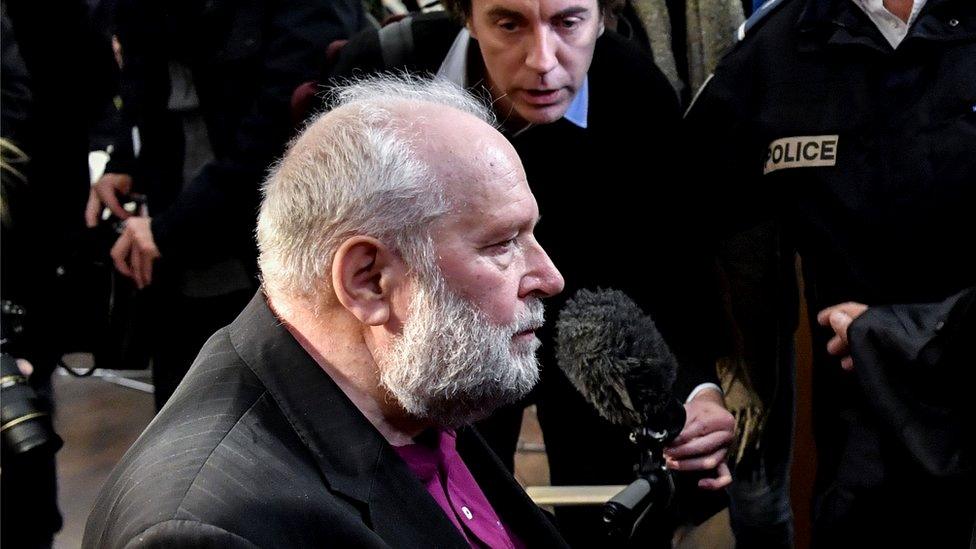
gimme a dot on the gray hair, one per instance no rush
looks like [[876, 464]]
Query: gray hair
[[355, 171]]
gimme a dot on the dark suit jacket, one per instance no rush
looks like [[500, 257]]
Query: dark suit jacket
[[259, 447]]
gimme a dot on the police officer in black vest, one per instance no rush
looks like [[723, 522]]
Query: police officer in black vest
[[845, 130]]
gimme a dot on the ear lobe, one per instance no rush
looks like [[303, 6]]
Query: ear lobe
[[603, 27], [363, 272]]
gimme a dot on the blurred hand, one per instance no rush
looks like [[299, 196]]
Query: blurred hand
[[703, 443], [25, 367], [117, 50], [135, 251], [105, 193], [838, 318]]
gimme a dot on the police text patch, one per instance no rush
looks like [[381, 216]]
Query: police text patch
[[803, 151]]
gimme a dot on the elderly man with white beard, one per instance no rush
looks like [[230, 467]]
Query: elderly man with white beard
[[402, 287]]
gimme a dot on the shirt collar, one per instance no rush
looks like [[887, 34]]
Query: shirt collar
[[428, 453], [454, 68], [891, 27]]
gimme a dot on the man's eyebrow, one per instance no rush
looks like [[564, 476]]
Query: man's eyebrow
[[499, 12], [570, 11], [513, 228]]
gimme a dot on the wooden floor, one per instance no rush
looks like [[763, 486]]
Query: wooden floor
[[99, 420]]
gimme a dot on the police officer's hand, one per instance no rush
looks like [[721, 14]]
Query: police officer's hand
[[838, 318], [703, 443], [135, 251]]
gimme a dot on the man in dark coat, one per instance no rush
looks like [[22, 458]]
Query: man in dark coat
[[402, 292]]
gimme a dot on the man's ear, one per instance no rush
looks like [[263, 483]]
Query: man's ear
[[603, 26], [470, 27], [364, 272]]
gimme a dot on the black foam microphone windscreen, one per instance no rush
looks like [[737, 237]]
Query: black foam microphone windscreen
[[614, 355]]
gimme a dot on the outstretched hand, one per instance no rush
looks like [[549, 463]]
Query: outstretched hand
[[838, 318]]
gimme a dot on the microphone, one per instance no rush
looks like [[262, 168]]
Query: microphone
[[614, 355]]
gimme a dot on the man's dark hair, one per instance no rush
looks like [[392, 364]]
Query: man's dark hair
[[461, 9]]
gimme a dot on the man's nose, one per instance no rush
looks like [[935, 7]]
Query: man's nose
[[542, 278], [541, 57]]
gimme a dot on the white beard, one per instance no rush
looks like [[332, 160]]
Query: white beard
[[451, 365]]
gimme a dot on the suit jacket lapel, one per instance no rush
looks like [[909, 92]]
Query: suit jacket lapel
[[507, 498], [402, 510], [354, 458]]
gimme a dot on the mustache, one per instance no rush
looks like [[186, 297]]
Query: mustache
[[531, 318]]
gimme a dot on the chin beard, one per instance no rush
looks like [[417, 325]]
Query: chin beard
[[452, 366]]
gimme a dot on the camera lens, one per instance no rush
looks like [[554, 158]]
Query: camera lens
[[26, 424]]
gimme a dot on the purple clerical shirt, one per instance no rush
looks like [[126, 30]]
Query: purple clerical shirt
[[439, 467]]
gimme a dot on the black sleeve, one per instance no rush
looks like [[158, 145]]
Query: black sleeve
[[915, 364], [724, 153], [221, 201], [361, 55], [184, 533], [71, 72], [432, 36], [751, 252], [672, 278], [931, 337], [122, 159]]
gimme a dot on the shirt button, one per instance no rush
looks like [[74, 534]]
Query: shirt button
[[467, 513], [953, 22]]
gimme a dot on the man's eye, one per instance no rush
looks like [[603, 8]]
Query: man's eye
[[507, 25], [570, 22], [504, 246]]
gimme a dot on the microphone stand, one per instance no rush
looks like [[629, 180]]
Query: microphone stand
[[653, 491]]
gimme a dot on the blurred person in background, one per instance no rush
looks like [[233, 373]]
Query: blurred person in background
[[49, 90], [206, 87]]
